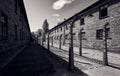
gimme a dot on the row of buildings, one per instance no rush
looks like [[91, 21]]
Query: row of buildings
[[91, 22], [14, 26]]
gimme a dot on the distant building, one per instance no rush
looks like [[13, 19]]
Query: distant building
[[14, 27], [92, 20]]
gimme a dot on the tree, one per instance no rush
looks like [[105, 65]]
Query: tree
[[45, 29], [33, 36], [39, 35], [39, 32], [45, 26], [36, 35]]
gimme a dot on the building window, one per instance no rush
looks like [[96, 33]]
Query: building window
[[67, 36], [4, 27], [103, 11], [108, 33], [82, 21], [15, 6], [21, 34], [61, 37], [74, 36], [57, 30], [61, 28], [66, 27], [57, 37], [74, 25], [99, 34], [15, 32], [83, 35]]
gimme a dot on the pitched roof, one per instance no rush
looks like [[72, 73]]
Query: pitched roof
[[84, 12]]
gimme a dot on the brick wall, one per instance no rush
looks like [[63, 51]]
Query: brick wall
[[92, 24], [14, 19]]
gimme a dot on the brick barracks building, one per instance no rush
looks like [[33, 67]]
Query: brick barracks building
[[89, 25], [14, 27]]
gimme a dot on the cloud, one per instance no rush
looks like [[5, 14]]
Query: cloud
[[58, 20], [61, 3], [56, 15]]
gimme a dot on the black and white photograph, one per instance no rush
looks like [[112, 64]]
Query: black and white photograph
[[59, 37]]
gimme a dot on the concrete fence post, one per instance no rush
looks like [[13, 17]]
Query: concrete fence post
[[60, 42], [52, 41], [80, 37], [105, 49], [71, 53], [64, 36], [48, 44]]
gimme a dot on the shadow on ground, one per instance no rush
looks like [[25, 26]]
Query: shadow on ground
[[62, 66], [116, 66], [32, 61], [35, 60]]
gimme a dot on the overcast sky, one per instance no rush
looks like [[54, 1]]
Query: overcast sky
[[53, 10]]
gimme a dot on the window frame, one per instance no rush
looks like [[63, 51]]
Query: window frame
[[60, 28], [102, 9], [107, 34], [16, 35], [66, 27], [82, 21], [99, 34], [4, 26], [66, 36], [16, 6]]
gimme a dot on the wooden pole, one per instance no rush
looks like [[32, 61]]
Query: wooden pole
[[71, 53]]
